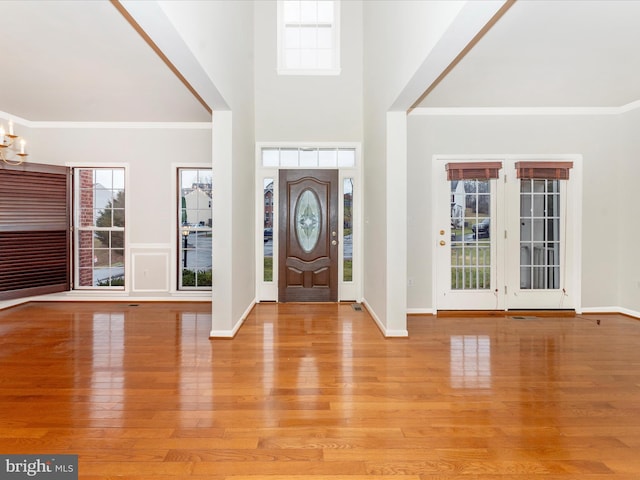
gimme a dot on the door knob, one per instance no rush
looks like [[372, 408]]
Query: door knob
[[334, 242], [442, 243]]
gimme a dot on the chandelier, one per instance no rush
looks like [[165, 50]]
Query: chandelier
[[9, 151]]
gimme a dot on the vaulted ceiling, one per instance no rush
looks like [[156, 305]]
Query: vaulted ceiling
[[557, 53], [82, 61]]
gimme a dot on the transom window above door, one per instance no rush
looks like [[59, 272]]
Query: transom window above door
[[311, 157]]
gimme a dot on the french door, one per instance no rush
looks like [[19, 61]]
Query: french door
[[505, 234]]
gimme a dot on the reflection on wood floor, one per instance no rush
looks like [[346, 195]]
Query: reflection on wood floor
[[315, 391]]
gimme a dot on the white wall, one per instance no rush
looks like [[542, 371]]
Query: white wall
[[398, 37], [149, 156], [220, 35], [321, 108], [628, 177], [600, 139]]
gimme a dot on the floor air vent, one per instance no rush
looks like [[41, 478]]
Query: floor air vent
[[521, 317], [357, 307]]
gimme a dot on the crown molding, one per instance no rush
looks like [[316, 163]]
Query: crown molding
[[106, 125], [125, 125], [528, 111]]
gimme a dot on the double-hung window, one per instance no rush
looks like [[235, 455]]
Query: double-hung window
[[308, 37], [99, 228], [195, 228]]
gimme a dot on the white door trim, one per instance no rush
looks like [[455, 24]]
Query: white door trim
[[268, 291], [573, 227]]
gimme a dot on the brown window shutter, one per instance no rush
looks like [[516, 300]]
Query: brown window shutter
[[473, 170], [34, 230], [544, 170]]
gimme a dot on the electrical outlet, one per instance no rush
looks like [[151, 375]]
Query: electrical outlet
[[410, 282]]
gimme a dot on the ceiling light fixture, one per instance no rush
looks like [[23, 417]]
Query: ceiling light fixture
[[8, 146]]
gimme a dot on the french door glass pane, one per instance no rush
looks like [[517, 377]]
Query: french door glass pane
[[539, 234], [470, 234]]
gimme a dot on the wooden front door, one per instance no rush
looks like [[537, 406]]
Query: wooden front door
[[308, 236]]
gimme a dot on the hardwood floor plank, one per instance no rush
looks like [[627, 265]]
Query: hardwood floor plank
[[315, 392]]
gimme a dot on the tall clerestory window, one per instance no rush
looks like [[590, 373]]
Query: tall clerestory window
[[308, 37]]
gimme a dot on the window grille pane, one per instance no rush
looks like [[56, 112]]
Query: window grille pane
[[309, 158], [308, 38], [325, 11], [292, 58], [325, 58], [308, 11], [292, 37], [291, 11], [118, 179], [289, 157], [328, 158], [308, 58], [325, 38], [103, 179], [270, 157], [346, 158]]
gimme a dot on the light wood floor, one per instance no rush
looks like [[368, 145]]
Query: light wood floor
[[140, 392]]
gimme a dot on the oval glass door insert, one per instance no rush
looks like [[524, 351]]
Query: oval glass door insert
[[308, 220]]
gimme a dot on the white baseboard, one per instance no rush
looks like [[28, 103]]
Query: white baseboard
[[610, 309], [232, 333], [621, 310], [631, 313], [93, 296], [421, 311], [385, 331]]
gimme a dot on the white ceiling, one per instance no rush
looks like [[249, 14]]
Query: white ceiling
[[82, 61], [562, 53]]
